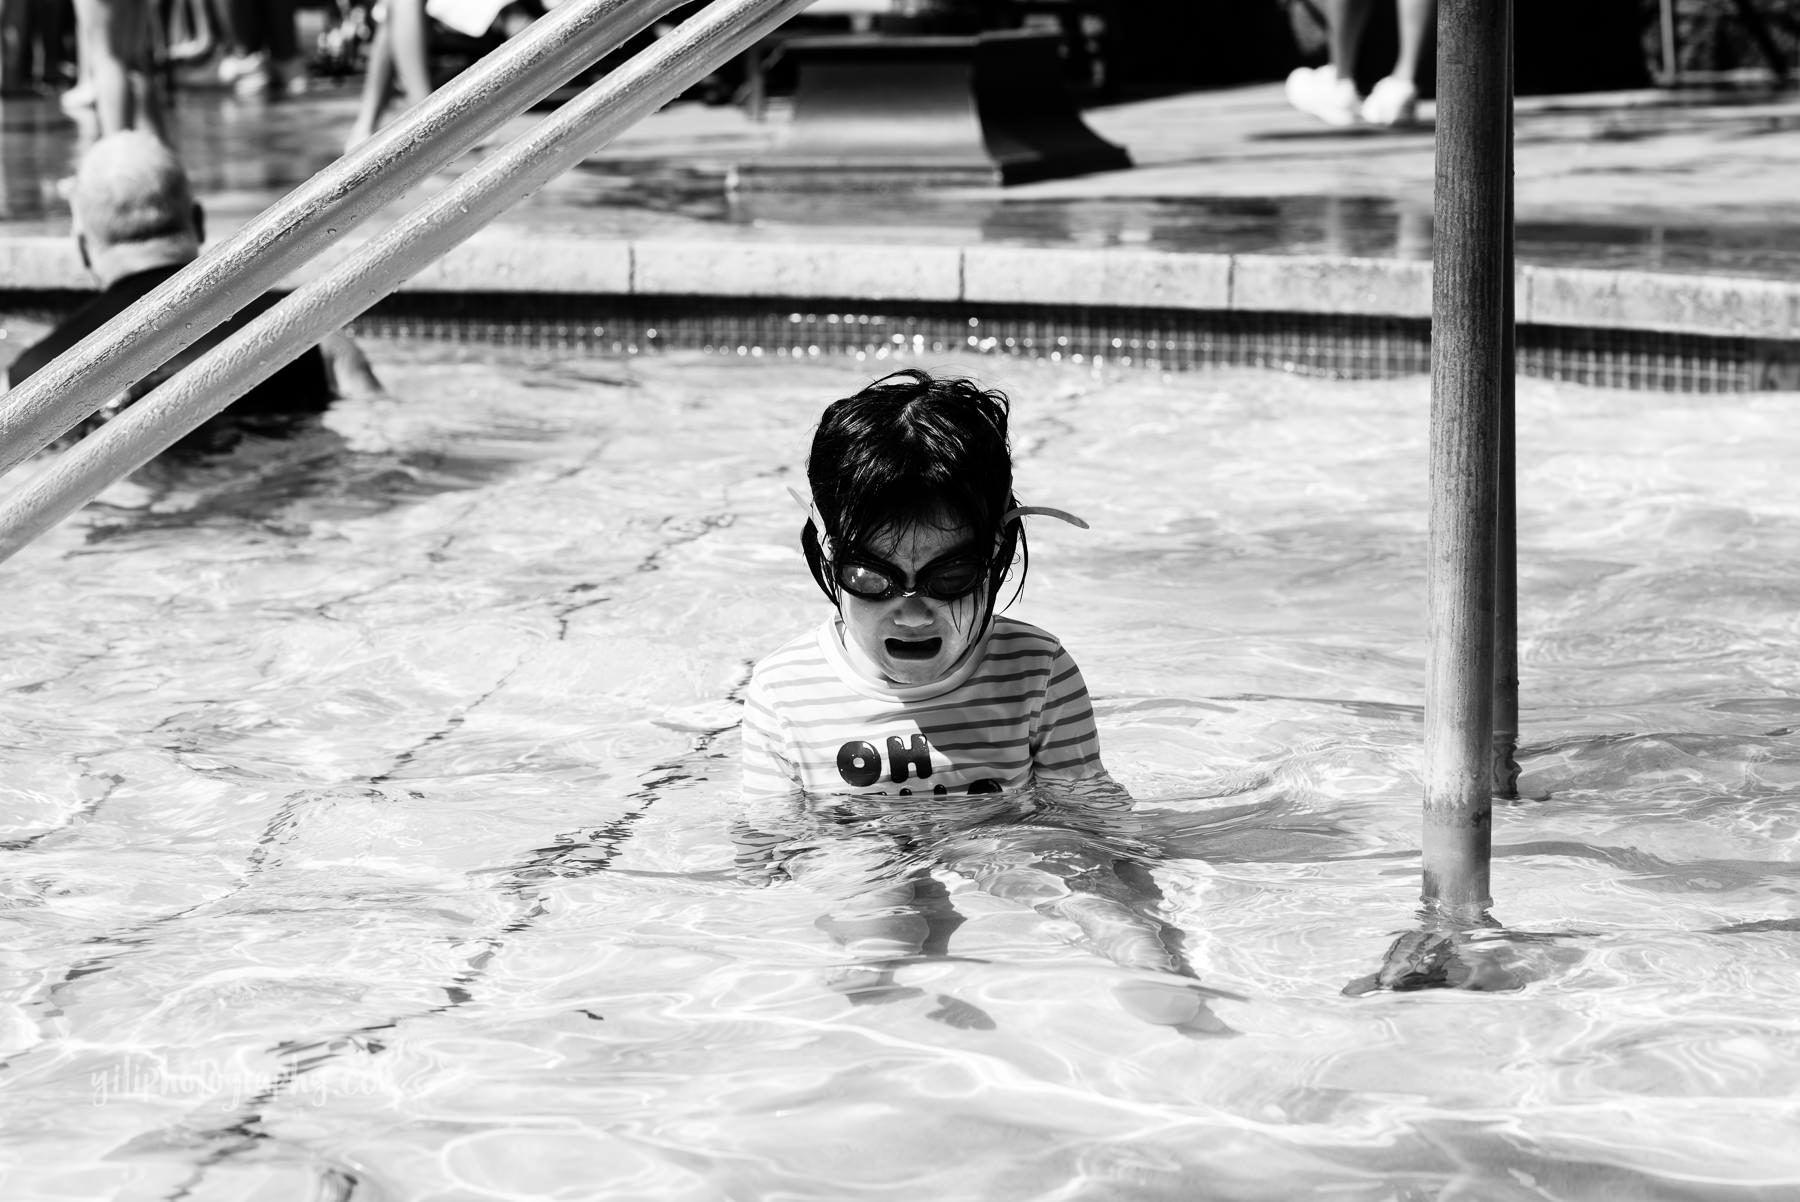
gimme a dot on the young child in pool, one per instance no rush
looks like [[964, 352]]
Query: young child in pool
[[917, 728]]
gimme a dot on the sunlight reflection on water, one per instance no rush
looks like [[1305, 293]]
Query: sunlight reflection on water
[[364, 803]]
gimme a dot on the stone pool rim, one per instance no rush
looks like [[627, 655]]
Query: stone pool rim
[[1118, 278], [1315, 314]]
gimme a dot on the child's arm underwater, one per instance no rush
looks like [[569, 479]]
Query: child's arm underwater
[[771, 809], [764, 828], [1082, 861], [1072, 786], [756, 853], [872, 914]]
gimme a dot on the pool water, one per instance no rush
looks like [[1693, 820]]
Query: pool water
[[363, 808]]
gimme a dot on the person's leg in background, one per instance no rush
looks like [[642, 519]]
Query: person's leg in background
[[412, 62], [191, 31], [378, 79], [265, 59], [15, 48], [80, 96], [53, 29], [399, 48], [1395, 99], [1349, 20], [245, 56], [115, 36], [281, 36], [1329, 92]]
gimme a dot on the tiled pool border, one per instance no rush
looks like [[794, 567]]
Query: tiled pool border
[[1339, 316]]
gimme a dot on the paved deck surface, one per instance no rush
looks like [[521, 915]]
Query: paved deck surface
[[1671, 182]]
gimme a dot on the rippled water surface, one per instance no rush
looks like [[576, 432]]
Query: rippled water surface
[[363, 808]]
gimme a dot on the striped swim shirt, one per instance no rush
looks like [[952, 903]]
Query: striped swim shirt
[[1014, 710]]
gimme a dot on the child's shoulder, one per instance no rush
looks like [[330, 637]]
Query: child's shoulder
[[802, 652], [1013, 637]]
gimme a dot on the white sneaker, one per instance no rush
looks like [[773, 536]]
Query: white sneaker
[[1319, 92], [233, 67], [256, 84], [78, 98], [1394, 101]]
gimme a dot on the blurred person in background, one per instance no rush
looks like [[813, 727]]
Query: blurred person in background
[[114, 49], [262, 55], [397, 52], [401, 48], [1329, 92], [34, 45], [136, 224]]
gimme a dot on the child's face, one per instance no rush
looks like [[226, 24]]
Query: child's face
[[917, 639]]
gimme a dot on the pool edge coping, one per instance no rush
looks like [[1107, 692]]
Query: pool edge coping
[[1129, 278]]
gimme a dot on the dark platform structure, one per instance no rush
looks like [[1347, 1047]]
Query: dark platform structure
[[882, 111]]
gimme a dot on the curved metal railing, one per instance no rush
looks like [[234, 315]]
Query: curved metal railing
[[296, 228]]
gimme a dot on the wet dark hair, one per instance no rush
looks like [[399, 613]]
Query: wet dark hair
[[904, 450]]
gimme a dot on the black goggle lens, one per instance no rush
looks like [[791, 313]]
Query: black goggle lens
[[950, 581]]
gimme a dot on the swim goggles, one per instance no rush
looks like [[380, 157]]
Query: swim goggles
[[948, 579]]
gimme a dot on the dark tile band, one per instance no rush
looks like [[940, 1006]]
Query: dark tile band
[[1332, 345], [1323, 344]]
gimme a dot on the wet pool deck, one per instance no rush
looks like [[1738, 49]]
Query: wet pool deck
[[1649, 209]]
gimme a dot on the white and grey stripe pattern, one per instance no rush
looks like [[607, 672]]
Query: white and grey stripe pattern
[[1019, 710]]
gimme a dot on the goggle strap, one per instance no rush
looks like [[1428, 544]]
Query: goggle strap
[[812, 515], [1011, 515], [1061, 515]]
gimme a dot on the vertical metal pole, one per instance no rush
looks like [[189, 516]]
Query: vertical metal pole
[[1506, 526], [1468, 298]]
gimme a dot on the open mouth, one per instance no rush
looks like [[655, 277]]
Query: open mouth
[[914, 648]]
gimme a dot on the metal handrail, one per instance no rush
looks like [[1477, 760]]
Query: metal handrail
[[252, 354], [294, 229]]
